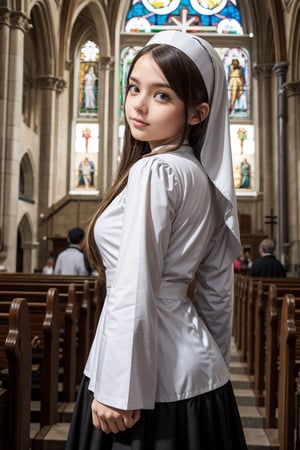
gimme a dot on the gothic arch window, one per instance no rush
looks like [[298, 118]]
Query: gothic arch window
[[84, 166], [223, 21], [26, 179], [88, 79]]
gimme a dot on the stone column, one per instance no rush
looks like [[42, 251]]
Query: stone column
[[14, 25], [49, 86], [292, 90], [106, 156], [4, 56], [263, 74], [280, 69]]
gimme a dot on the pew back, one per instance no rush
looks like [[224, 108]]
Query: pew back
[[15, 399]]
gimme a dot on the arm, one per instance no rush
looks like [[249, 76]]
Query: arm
[[126, 375]]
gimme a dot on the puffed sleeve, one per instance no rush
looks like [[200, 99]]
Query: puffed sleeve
[[128, 354]]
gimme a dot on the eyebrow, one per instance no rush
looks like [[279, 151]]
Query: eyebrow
[[157, 85]]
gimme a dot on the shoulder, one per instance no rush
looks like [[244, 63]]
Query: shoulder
[[174, 165], [257, 262]]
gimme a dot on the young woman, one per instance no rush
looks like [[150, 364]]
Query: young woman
[[157, 375]]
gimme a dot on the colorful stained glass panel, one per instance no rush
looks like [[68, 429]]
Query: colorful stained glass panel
[[192, 16], [88, 79]]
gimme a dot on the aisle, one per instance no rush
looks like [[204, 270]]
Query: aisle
[[252, 417]]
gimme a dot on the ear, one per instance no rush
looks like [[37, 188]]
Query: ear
[[198, 114]]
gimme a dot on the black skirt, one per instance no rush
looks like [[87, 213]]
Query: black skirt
[[209, 421]]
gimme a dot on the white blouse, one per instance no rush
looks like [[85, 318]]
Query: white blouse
[[152, 344]]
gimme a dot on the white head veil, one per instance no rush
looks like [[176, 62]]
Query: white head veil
[[214, 150]]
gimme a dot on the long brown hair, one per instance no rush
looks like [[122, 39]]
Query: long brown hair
[[186, 81]]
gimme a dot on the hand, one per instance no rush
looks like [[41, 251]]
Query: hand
[[113, 420]]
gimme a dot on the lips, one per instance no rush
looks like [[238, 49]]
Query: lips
[[138, 123]]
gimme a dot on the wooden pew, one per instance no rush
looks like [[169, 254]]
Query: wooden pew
[[15, 356], [237, 310], [67, 323], [3, 414], [289, 365], [275, 298], [90, 298], [261, 326], [250, 308], [250, 330], [91, 287], [44, 329]]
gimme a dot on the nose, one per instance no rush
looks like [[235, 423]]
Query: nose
[[140, 104]]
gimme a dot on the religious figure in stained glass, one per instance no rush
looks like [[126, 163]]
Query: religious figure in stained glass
[[236, 82], [236, 65], [85, 165], [88, 95], [205, 16], [86, 173], [90, 91], [245, 174]]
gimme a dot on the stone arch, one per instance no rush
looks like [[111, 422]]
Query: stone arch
[[83, 21], [278, 29], [24, 245], [294, 43], [42, 34]]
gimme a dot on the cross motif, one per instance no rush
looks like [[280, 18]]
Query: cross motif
[[184, 23], [271, 220]]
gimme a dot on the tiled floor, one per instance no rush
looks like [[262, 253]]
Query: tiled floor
[[252, 417], [257, 437]]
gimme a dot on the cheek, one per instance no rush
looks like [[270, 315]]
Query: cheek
[[126, 107]]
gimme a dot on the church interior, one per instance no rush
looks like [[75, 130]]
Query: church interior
[[62, 73], [49, 126]]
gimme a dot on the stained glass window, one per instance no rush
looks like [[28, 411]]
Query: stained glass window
[[194, 16], [84, 165], [236, 65], [89, 77], [86, 156], [127, 56], [218, 17]]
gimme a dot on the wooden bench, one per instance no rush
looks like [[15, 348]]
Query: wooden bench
[[67, 323], [15, 357], [251, 330], [92, 287], [83, 304], [275, 299], [44, 331], [260, 330], [289, 363]]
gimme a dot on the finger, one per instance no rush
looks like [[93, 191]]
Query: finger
[[136, 416], [96, 421], [115, 425], [121, 424], [104, 426], [131, 418]]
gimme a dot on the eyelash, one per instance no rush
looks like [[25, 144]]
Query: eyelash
[[132, 88]]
